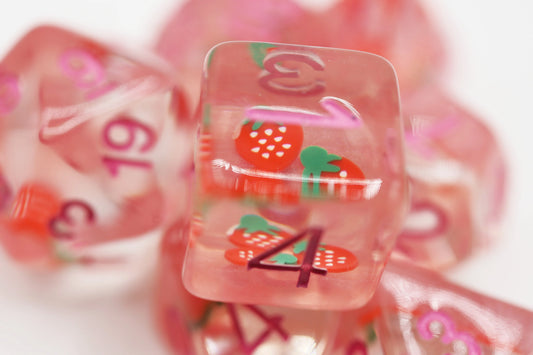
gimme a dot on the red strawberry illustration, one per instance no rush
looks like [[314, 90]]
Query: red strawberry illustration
[[269, 146], [329, 257], [254, 232], [329, 174], [241, 256]]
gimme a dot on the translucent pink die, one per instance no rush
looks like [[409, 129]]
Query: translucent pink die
[[424, 314], [96, 147], [192, 325], [399, 30], [300, 176], [195, 28], [457, 175]]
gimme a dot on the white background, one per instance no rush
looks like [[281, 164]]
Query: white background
[[491, 72]]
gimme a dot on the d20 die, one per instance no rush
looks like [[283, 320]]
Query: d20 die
[[105, 135]]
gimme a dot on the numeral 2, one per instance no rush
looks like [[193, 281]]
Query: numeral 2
[[272, 323], [306, 268]]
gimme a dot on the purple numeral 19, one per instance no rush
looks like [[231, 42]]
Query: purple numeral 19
[[139, 138]]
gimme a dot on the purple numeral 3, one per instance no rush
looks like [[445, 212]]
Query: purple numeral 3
[[450, 334], [63, 225]]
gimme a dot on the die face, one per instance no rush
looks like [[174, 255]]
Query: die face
[[399, 30], [457, 175], [284, 161], [424, 314], [196, 28], [102, 131], [193, 325]]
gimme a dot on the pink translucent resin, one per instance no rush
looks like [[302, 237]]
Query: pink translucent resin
[[422, 313], [300, 168], [457, 176], [191, 325], [195, 28], [399, 30], [106, 135]]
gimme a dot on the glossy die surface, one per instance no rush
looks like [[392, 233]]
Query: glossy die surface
[[424, 314], [95, 147], [192, 325], [457, 176], [196, 27], [400, 30], [300, 180]]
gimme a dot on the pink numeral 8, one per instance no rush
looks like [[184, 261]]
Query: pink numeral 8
[[9, 93], [274, 71], [82, 68], [450, 334]]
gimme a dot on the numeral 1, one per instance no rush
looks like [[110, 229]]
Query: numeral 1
[[272, 323], [306, 268]]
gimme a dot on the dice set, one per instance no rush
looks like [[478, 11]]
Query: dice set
[[306, 178]]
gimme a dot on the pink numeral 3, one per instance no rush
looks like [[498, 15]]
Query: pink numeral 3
[[273, 77], [138, 137], [9, 93], [340, 114], [64, 224], [450, 333], [272, 323]]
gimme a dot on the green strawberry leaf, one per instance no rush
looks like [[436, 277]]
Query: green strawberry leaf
[[299, 247], [253, 223], [316, 160], [259, 51], [370, 334], [285, 259]]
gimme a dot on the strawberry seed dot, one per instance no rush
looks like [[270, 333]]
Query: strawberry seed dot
[[278, 139], [262, 141], [265, 155], [268, 132], [271, 147], [253, 134]]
